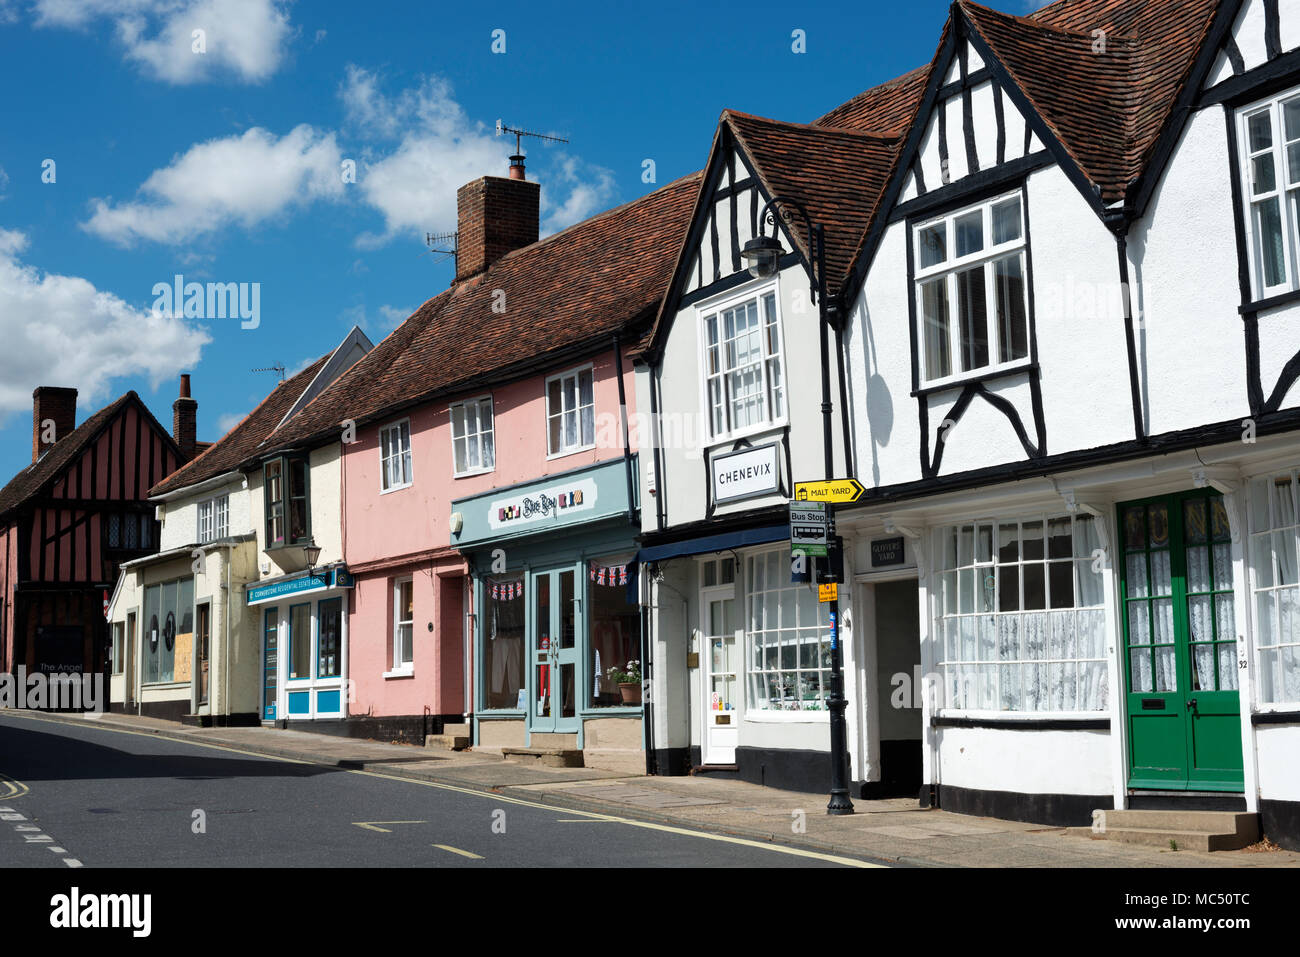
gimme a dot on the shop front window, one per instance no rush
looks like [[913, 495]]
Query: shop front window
[[169, 617], [503, 643], [615, 631], [789, 638], [300, 641], [1020, 622], [329, 628], [1275, 528]]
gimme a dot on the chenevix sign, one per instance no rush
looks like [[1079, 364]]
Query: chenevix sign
[[747, 473]]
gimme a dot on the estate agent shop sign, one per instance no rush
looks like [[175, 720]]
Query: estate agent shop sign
[[744, 474]]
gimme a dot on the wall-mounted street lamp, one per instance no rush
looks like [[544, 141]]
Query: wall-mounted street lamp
[[311, 551], [762, 256]]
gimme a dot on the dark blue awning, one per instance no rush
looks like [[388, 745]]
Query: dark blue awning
[[715, 543]]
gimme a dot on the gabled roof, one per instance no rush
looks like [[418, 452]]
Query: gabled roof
[[887, 108], [35, 478], [554, 300], [836, 174], [240, 445], [1105, 107]]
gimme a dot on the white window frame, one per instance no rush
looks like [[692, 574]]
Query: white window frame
[[403, 455], [753, 704], [1271, 589], [714, 308], [214, 519], [119, 649], [1287, 194], [950, 268], [574, 373], [989, 566], [479, 403], [402, 668]]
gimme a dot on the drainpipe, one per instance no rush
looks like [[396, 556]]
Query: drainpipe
[[225, 695], [838, 313], [622, 415], [1121, 247], [647, 665]]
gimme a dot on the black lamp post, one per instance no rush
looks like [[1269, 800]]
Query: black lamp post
[[763, 257]]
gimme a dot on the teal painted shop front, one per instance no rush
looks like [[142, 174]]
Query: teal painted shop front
[[556, 609]]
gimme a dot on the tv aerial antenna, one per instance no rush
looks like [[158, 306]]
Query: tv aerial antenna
[[503, 130], [442, 245], [278, 368]]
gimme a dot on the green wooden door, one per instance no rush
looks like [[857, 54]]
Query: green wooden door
[[1182, 705], [554, 627]]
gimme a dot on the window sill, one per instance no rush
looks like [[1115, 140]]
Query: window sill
[[395, 488], [470, 473], [786, 717], [716, 442], [979, 375], [1270, 302], [566, 452], [408, 672]]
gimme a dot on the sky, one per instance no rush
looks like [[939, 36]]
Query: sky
[[305, 149]]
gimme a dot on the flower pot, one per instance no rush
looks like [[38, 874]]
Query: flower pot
[[631, 692]]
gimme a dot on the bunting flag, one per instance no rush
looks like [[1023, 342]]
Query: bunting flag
[[612, 575], [504, 591]]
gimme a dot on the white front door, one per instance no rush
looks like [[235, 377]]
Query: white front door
[[722, 686]]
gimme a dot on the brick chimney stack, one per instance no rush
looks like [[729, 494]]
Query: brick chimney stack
[[54, 415], [495, 215], [185, 415]]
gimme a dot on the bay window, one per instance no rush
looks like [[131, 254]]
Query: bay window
[[1275, 531], [971, 290], [744, 382], [789, 638], [472, 442], [395, 456], [1019, 617], [284, 490], [1269, 138], [570, 412]]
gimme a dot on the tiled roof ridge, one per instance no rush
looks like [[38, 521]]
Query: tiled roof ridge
[[1033, 22], [585, 223], [815, 127], [901, 80]]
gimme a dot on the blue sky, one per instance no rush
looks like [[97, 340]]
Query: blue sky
[[224, 165]]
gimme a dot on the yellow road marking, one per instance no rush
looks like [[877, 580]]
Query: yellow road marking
[[581, 820], [457, 850], [9, 788], [502, 799], [373, 825]]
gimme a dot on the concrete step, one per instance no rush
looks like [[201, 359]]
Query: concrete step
[[459, 729], [552, 739], [1190, 830], [550, 757], [447, 742]]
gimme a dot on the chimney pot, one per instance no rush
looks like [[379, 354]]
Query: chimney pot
[[185, 385], [517, 170], [54, 415]]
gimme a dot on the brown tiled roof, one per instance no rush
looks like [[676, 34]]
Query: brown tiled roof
[[887, 108], [837, 174], [31, 480], [242, 444], [590, 281], [1106, 109]]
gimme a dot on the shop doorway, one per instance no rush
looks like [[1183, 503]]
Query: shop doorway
[[1183, 709], [202, 629], [899, 686], [721, 675], [554, 651]]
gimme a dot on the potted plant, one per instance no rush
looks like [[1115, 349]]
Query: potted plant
[[628, 679]]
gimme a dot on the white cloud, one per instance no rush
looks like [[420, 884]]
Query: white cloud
[[228, 421], [243, 38], [590, 190], [4, 181], [381, 321], [242, 180], [61, 330]]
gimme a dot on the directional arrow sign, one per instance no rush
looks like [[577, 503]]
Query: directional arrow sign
[[837, 491]]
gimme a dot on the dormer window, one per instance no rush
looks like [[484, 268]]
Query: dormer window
[[285, 493], [970, 285]]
